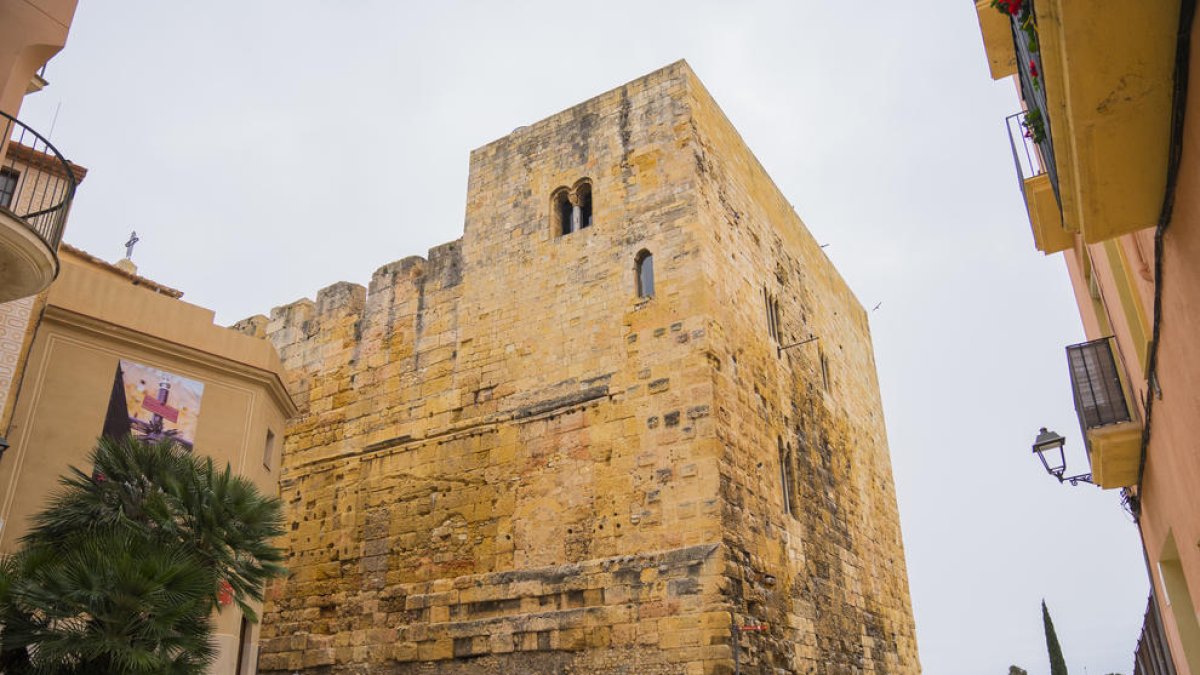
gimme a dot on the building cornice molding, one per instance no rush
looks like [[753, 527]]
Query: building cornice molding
[[269, 379]]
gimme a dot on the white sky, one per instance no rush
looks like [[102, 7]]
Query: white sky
[[265, 149]]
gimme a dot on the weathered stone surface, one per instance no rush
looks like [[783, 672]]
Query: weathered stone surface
[[507, 462]]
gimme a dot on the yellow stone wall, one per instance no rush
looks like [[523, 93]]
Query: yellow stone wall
[[506, 461], [829, 576]]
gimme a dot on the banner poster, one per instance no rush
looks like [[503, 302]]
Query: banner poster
[[153, 405]]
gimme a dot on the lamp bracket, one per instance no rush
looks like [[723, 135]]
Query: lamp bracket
[[1075, 480], [782, 348]]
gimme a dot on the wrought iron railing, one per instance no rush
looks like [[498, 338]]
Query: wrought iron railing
[[1026, 156], [37, 183], [1026, 153], [1031, 77], [1152, 656], [1096, 385]]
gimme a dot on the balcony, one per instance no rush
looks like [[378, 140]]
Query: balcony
[[1112, 435], [1153, 654], [36, 188], [997, 40], [1110, 76], [1102, 77], [1037, 187]]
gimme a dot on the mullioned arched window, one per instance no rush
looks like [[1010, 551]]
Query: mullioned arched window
[[571, 208]]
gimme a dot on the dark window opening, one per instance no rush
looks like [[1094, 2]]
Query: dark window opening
[[244, 666], [571, 210], [560, 211], [772, 309], [644, 267], [8, 186], [269, 450], [825, 371], [583, 200], [787, 477], [767, 307]]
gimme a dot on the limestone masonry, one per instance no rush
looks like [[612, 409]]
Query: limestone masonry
[[506, 461]]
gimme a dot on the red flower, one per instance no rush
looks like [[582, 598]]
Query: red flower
[[1033, 68], [1010, 7], [224, 593]]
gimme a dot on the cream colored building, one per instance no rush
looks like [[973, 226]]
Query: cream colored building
[[225, 388], [86, 345], [36, 183], [24, 166], [32, 213]]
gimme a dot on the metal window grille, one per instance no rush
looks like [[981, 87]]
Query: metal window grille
[[1099, 398]]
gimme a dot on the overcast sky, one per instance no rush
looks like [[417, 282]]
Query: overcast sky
[[264, 150]]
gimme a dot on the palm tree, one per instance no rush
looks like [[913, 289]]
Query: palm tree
[[121, 572]]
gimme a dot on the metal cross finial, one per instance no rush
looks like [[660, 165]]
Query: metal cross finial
[[133, 239]]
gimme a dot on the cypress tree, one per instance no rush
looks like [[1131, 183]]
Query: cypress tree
[[1058, 665]]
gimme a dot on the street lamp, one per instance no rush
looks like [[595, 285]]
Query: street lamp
[[1048, 446]]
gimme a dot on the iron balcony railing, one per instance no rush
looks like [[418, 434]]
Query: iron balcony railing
[[1031, 76], [37, 183], [1029, 130], [1026, 155], [1096, 385], [1152, 656]]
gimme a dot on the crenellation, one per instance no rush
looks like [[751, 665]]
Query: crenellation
[[289, 324], [254, 326], [339, 300]]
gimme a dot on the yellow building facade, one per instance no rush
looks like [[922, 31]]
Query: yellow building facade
[[32, 213], [104, 336], [1106, 144], [628, 423], [88, 347]]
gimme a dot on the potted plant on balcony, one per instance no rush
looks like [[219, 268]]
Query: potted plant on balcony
[[1035, 126], [1021, 11]]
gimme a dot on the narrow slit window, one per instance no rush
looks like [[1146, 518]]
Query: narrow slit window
[[825, 371], [245, 634], [269, 450], [767, 308], [791, 477], [772, 309], [785, 475], [644, 269], [775, 318]]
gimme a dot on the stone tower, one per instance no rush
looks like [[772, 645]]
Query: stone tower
[[514, 456]]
